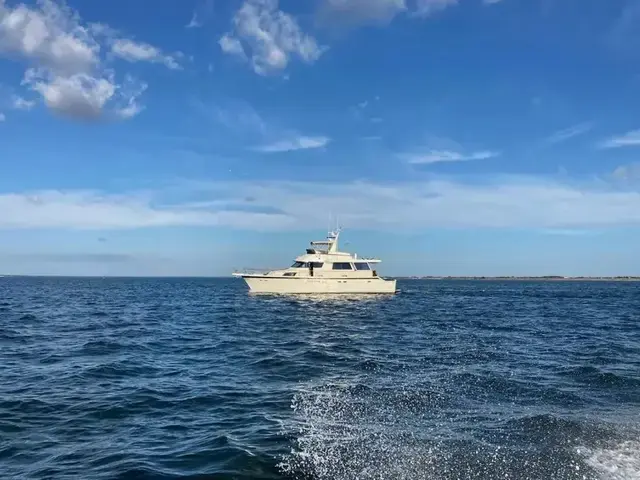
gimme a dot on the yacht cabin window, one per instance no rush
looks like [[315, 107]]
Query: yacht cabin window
[[342, 266]]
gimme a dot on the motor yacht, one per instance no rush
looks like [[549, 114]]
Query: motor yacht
[[322, 269]]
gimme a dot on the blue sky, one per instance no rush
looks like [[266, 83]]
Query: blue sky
[[195, 137]]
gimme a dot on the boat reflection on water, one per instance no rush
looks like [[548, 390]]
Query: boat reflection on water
[[325, 298]]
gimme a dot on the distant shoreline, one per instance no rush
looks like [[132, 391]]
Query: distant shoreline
[[548, 278]]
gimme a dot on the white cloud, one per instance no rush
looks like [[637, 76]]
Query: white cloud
[[48, 34], [20, 103], [63, 60], [271, 37], [424, 8], [629, 139], [268, 38], [508, 202], [81, 95], [232, 46], [142, 52], [297, 143], [440, 156], [3, 117], [567, 133], [491, 2]]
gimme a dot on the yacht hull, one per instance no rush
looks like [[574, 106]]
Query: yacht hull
[[266, 284]]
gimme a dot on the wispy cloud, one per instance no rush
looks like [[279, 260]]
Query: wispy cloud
[[440, 156], [132, 51], [629, 139], [74, 257], [199, 15], [504, 202], [568, 133], [95, 210], [3, 117], [623, 35], [194, 22], [630, 172], [568, 232], [296, 143], [376, 12], [367, 110], [354, 13], [425, 8], [241, 119], [20, 103], [237, 116], [360, 12]]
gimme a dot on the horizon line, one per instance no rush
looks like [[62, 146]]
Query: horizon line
[[399, 277]]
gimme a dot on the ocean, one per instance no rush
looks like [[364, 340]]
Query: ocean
[[120, 378]]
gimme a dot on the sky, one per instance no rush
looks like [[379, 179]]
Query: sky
[[447, 137]]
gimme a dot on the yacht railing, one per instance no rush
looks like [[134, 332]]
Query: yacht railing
[[254, 271]]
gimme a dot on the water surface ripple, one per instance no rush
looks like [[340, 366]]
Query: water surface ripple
[[197, 379]]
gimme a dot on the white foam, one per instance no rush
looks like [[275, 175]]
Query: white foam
[[620, 462]]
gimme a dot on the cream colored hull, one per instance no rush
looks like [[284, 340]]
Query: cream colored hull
[[266, 284]]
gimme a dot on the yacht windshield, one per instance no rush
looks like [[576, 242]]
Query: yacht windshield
[[362, 266], [306, 264]]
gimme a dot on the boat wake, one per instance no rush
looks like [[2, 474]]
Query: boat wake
[[349, 431]]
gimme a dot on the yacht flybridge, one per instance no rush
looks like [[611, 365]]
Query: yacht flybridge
[[322, 269]]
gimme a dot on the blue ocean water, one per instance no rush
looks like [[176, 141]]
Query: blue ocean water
[[198, 379]]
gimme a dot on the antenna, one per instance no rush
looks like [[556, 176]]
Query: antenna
[[334, 232]]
